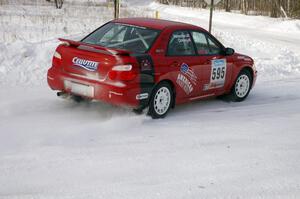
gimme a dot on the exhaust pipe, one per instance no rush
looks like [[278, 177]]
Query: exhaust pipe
[[62, 94]]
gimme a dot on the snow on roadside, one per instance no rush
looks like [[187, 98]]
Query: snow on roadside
[[256, 36], [285, 26], [230, 19], [272, 62], [54, 148], [29, 37], [24, 63]]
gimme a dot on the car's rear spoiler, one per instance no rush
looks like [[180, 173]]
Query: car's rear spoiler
[[101, 48]]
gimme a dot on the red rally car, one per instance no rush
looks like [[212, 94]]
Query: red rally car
[[142, 62]]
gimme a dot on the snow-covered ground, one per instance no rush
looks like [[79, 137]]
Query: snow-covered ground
[[53, 148]]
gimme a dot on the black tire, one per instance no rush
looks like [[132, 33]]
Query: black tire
[[242, 86], [161, 100], [59, 3]]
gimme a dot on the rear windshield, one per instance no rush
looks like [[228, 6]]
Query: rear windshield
[[122, 36]]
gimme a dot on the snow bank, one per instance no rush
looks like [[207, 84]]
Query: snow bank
[[137, 2], [29, 32], [231, 19], [287, 26], [272, 61], [29, 35], [276, 55], [24, 63], [52, 148]]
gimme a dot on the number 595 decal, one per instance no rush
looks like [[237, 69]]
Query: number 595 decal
[[218, 73]]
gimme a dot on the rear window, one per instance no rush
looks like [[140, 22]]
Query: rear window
[[122, 36]]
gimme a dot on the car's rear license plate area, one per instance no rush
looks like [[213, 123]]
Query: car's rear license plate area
[[79, 89]]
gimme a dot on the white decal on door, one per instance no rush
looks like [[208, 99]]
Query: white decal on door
[[184, 83]]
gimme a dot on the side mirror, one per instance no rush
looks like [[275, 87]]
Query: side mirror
[[229, 51]]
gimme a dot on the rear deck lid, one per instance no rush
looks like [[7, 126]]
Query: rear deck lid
[[89, 60]]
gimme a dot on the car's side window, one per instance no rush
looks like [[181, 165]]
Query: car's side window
[[201, 43], [213, 47], [181, 44], [204, 44]]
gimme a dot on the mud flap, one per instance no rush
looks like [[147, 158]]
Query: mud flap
[[147, 81]]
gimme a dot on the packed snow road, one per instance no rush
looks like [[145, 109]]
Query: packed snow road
[[55, 148]]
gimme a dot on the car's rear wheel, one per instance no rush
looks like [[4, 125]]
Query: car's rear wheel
[[161, 100], [242, 86]]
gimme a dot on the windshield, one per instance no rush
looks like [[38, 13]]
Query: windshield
[[122, 36]]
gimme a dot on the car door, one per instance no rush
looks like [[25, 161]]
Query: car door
[[216, 68], [181, 60]]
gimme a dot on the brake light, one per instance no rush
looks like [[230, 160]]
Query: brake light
[[128, 75], [112, 75], [57, 60], [122, 72]]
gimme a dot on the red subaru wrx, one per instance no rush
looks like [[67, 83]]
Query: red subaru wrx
[[141, 62]]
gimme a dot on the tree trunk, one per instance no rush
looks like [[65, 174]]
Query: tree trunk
[[244, 7], [274, 8], [227, 5]]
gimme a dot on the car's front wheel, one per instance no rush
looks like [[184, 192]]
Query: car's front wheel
[[161, 100], [242, 86]]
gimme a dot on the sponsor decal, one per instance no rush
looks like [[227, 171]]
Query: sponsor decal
[[244, 58], [206, 87], [184, 83], [86, 64], [218, 74], [145, 65], [182, 38], [142, 96], [159, 50], [185, 69]]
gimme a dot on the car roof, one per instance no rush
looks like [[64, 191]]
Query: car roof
[[158, 24]]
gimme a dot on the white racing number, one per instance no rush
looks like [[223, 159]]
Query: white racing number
[[218, 73]]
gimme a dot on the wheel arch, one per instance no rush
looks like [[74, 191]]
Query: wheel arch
[[250, 70], [247, 68], [170, 82]]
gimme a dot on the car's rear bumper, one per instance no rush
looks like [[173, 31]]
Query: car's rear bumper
[[116, 93]]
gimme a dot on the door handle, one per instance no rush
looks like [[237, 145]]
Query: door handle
[[207, 61], [174, 64]]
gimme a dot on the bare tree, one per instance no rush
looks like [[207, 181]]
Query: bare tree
[[273, 8], [227, 5]]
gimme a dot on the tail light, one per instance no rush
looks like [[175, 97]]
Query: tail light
[[122, 72], [127, 67], [56, 61]]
